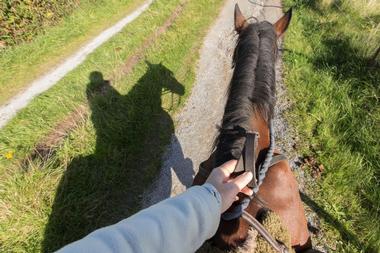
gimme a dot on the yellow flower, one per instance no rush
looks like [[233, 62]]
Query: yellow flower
[[9, 155], [49, 14]]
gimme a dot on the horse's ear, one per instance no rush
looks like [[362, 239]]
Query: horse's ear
[[282, 24], [240, 21]]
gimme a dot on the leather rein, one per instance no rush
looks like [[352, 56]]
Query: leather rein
[[247, 162]]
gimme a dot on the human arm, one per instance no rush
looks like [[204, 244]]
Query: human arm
[[179, 224]]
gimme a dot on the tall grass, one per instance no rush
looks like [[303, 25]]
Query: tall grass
[[22, 63], [22, 20], [97, 176], [337, 113]]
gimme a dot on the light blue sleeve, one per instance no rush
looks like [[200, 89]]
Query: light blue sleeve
[[179, 224]]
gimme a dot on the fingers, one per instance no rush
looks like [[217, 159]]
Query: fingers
[[242, 180], [247, 191], [228, 187], [228, 167]]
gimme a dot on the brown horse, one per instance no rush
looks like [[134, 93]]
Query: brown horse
[[250, 106]]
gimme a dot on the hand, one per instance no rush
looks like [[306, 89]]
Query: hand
[[227, 187]]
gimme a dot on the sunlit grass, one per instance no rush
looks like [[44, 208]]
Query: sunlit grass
[[98, 174], [336, 111], [21, 64]]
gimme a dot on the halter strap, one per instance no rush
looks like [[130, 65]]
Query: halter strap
[[236, 211], [247, 161]]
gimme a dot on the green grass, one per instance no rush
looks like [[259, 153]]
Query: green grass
[[20, 21], [97, 176], [336, 111], [23, 63]]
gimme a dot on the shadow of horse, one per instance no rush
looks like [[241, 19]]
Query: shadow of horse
[[132, 132]]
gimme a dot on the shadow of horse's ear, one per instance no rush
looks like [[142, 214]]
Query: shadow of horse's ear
[[239, 20], [282, 24]]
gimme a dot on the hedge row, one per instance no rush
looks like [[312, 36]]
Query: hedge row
[[21, 20]]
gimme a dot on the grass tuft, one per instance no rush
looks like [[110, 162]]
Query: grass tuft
[[22, 20]]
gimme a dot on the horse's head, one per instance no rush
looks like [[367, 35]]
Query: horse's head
[[279, 27], [164, 79], [247, 116], [251, 94]]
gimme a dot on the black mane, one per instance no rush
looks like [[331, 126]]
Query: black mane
[[252, 87]]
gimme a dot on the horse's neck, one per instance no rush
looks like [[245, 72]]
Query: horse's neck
[[258, 124]]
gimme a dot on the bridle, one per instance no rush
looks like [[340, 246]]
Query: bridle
[[247, 162]]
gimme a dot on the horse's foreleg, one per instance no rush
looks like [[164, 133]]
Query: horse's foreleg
[[231, 233], [280, 191]]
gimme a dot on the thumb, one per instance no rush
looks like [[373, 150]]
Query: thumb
[[242, 180]]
